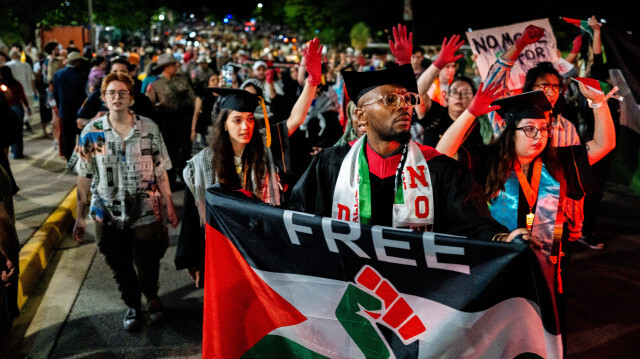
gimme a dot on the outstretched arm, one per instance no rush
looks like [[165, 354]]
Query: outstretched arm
[[447, 55], [604, 133], [575, 49], [530, 35], [597, 39], [455, 135], [312, 57]]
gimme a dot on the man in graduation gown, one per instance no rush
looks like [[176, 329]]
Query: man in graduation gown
[[387, 179]]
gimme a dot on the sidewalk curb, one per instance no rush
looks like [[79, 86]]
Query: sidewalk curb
[[37, 251]]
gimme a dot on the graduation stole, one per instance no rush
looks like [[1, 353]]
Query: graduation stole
[[504, 207], [413, 200]]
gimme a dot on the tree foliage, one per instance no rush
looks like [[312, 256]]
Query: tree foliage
[[21, 18], [128, 15], [330, 20], [360, 35]]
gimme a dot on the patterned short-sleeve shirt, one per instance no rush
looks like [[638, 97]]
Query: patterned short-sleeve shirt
[[124, 171]]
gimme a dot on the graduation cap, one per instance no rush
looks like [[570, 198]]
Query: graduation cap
[[532, 104], [236, 99], [359, 83]]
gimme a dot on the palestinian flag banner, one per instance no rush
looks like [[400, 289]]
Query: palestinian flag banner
[[595, 85], [286, 284], [582, 24]]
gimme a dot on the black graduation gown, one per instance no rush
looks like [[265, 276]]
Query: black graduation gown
[[459, 205], [436, 122], [575, 168]]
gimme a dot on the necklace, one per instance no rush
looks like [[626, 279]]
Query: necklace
[[241, 168], [530, 190]]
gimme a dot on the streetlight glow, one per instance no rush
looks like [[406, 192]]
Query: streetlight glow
[[161, 17], [259, 5]]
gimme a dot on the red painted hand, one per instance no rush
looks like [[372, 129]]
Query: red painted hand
[[531, 35], [313, 61], [401, 46], [481, 103], [448, 52]]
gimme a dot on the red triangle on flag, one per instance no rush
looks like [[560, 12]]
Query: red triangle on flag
[[592, 83], [239, 307], [571, 21]]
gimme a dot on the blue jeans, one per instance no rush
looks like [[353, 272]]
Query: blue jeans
[[18, 147]]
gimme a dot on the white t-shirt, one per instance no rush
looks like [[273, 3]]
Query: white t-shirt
[[24, 74]]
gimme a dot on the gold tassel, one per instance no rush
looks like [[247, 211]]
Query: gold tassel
[[266, 121]]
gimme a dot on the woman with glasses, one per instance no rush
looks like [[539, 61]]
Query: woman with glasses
[[523, 148], [543, 77], [437, 118], [123, 165], [526, 180]]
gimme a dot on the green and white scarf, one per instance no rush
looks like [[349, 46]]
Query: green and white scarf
[[413, 200]]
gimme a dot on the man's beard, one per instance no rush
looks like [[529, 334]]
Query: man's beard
[[402, 136]]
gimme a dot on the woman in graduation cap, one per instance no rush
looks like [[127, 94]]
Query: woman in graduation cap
[[240, 158], [523, 175], [525, 178]]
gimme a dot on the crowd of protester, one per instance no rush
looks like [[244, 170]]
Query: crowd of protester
[[291, 96]]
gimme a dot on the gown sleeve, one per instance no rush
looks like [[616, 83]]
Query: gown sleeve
[[313, 193], [577, 171], [460, 204]]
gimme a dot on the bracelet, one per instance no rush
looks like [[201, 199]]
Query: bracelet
[[498, 237], [598, 104]]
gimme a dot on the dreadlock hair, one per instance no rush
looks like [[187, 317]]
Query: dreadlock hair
[[222, 162]]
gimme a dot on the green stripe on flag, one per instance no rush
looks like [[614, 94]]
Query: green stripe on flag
[[275, 346], [584, 25], [606, 88]]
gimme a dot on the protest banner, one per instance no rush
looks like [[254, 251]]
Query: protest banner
[[286, 284], [489, 44]]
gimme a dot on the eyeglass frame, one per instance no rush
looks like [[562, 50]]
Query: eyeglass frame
[[120, 93], [538, 131], [553, 88], [459, 94], [403, 96]]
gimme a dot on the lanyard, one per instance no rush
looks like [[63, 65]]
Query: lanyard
[[530, 191]]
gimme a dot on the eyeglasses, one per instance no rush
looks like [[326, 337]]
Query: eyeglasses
[[532, 131], [122, 93], [461, 94], [547, 87], [393, 99]]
